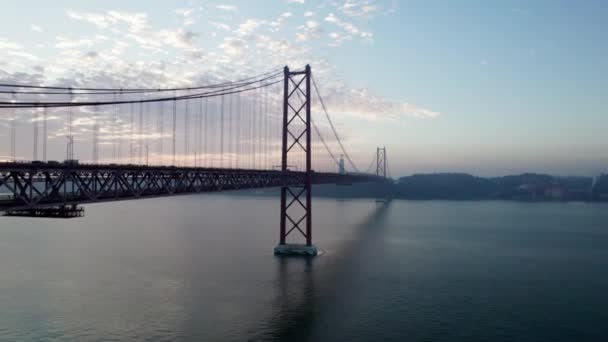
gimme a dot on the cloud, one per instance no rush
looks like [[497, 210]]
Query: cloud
[[350, 31], [92, 54], [190, 15], [249, 26], [234, 46], [180, 38], [226, 7], [63, 42], [99, 20], [5, 44], [359, 8], [362, 103], [133, 32], [349, 27], [310, 30], [280, 22], [337, 38], [15, 52], [138, 29], [135, 22], [220, 26], [36, 28], [127, 50], [184, 12]]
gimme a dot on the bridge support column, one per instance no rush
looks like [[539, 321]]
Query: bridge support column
[[296, 201], [381, 171], [381, 162]]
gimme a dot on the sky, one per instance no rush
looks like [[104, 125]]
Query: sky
[[484, 87]]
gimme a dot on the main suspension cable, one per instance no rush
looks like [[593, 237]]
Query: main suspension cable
[[221, 92], [332, 126], [108, 91]]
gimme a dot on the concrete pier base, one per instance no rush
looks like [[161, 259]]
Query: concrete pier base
[[296, 250]]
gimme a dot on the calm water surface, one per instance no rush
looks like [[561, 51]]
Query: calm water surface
[[201, 268]]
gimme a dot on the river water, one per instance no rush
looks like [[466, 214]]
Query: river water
[[201, 268]]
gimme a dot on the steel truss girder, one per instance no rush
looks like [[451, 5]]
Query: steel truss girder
[[30, 186]]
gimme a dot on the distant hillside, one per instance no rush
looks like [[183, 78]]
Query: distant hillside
[[445, 186], [461, 186], [522, 186], [600, 188], [528, 186]]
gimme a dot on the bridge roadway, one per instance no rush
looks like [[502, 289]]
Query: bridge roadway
[[38, 185]]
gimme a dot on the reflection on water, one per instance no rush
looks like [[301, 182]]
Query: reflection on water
[[201, 268], [301, 291]]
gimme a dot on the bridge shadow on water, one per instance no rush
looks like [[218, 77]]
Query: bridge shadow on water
[[306, 286]]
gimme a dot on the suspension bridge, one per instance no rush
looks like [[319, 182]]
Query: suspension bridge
[[133, 143]]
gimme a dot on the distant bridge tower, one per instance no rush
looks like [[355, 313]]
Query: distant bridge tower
[[296, 213], [341, 168], [381, 162]]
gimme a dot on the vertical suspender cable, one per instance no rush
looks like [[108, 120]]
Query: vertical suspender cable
[[119, 122], [131, 131], [70, 146], [249, 115], [94, 140], [119, 127], [199, 129], [260, 128], [140, 133], [266, 128], [229, 123], [173, 131], [14, 130], [205, 141], [254, 135], [222, 132], [113, 124], [44, 134], [35, 121], [238, 129], [213, 132], [186, 132], [161, 142]]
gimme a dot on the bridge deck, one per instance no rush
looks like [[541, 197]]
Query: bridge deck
[[40, 185]]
